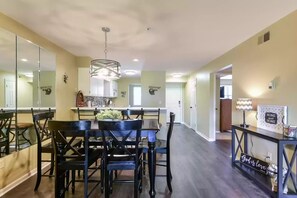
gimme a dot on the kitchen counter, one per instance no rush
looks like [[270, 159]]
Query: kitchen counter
[[28, 109], [163, 111], [117, 108]]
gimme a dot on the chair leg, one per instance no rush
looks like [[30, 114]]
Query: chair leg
[[168, 172], [106, 184], [140, 177], [102, 175], [52, 163], [136, 183], [72, 180], [143, 162], [86, 181], [38, 174]]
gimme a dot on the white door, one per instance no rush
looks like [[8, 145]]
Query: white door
[[9, 93], [193, 111], [174, 102]]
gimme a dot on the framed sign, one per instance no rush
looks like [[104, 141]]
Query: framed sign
[[272, 117], [254, 163]]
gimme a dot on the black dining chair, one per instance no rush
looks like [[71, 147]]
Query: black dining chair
[[5, 123], [152, 114], [129, 114], [69, 157], [87, 115], [119, 156], [163, 147], [40, 121]]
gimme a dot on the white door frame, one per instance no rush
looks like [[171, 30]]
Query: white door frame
[[193, 105]]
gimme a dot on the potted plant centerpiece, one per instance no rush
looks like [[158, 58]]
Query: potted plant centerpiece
[[109, 115]]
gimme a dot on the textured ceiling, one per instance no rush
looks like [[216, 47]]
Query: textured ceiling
[[170, 35]]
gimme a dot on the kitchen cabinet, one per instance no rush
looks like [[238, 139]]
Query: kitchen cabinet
[[89, 86], [110, 88], [95, 86]]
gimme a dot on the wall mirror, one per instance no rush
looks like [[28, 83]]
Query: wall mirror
[[27, 79]]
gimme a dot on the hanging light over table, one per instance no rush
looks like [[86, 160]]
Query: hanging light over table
[[105, 68]]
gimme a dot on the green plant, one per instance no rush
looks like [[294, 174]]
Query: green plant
[[109, 114]]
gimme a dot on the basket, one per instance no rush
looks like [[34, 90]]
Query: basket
[[290, 131]]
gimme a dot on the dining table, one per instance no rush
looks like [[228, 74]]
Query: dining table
[[149, 129]]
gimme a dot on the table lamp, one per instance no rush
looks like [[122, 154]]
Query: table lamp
[[244, 104]]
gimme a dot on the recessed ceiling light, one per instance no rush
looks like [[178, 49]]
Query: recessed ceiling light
[[176, 75], [135, 60], [130, 72], [30, 75], [24, 60], [227, 77]]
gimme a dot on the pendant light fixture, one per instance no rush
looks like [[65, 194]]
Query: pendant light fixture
[[105, 68]]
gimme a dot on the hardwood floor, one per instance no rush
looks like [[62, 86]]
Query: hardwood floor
[[200, 169]]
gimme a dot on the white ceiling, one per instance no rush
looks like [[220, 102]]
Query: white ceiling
[[171, 35]]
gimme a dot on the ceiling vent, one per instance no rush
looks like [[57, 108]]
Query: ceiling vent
[[264, 38]]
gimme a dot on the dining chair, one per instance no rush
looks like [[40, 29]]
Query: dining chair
[[129, 114], [40, 121], [5, 123], [152, 114], [19, 129], [93, 141], [117, 156], [87, 115], [163, 147], [69, 157]]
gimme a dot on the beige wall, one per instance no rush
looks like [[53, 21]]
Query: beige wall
[[254, 66], [123, 86], [157, 79], [20, 163]]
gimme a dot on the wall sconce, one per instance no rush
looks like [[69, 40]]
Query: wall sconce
[[123, 94], [47, 90], [65, 78], [152, 89], [244, 104]]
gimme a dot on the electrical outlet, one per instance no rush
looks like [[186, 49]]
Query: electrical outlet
[[269, 156], [1, 164]]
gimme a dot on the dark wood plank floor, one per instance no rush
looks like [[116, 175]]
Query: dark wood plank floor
[[200, 169]]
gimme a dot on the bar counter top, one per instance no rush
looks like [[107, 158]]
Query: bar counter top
[[117, 108]]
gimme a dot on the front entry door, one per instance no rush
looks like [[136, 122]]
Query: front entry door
[[174, 101]]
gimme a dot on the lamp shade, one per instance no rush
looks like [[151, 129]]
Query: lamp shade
[[244, 104]]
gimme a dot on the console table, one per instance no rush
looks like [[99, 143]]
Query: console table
[[240, 145]]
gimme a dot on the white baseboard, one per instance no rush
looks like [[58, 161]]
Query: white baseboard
[[205, 137], [20, 180], [201, 134]]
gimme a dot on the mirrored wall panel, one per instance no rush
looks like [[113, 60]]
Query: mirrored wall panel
[[27, 80]]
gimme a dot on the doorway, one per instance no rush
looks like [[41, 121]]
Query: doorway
[[223, 100], [9, 86], [174, 101]]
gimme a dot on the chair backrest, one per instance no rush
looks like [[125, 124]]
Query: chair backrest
[[87, 115], [124, 134], [170, 129], [40, 121], [129, 114], [152, 114], [64, 134], [5, 122]]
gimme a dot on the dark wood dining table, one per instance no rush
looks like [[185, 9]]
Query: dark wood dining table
[[149, 129]]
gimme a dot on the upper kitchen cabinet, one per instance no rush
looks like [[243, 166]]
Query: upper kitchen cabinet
[[110, 88], [89, 86]]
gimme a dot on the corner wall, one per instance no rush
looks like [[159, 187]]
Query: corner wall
[[21, 163], [254, 66]]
